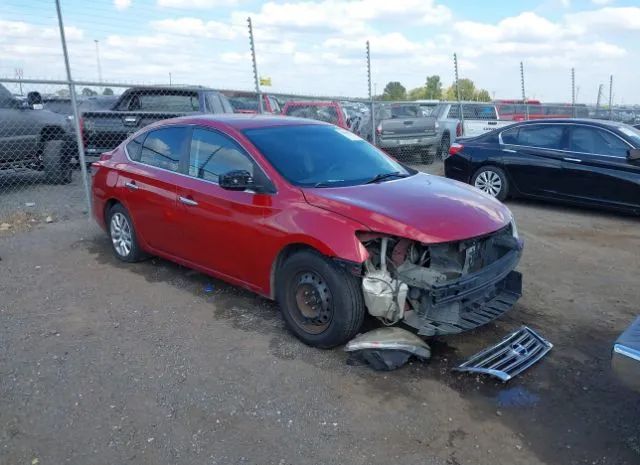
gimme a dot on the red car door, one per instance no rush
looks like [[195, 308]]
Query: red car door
[[150, 183], [222, 230]]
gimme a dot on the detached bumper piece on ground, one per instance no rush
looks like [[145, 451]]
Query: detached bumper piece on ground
[[386, 349], [510, 357]]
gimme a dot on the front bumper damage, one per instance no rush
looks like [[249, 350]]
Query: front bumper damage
[[442, 289]]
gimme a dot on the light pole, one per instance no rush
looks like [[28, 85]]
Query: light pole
[[98, 59]]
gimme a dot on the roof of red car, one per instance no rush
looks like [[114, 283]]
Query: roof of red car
[[246, 121]]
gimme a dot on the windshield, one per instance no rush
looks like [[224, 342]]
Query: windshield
[[321, 156], [632, 133]]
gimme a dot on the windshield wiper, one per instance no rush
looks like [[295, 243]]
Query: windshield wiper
[[327, 183], [383, 176]]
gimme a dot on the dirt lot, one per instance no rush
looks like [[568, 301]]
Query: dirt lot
[[105, 363]]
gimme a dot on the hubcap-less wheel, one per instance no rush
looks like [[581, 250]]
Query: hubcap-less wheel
[[489, 182], [121, 234], [314, 309]]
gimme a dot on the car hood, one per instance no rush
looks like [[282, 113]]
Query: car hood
[[422, 207]]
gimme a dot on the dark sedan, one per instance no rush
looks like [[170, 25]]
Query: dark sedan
[[588, 162]]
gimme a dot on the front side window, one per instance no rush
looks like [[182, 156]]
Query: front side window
[[213, 154], [543, 136], [162, 148], [597, 141], [322, 156]]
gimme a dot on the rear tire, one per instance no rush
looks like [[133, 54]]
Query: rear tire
[[491, 180], [426, 156], [124, 241], [56, 165], [321, 303], [443, 148]]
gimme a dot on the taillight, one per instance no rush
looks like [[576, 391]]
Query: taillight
[[459, 129], [379, 129], [455, 148]]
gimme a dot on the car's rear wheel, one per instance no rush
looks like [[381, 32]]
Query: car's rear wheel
[[56, 165], [123, 235], [492, 180], [321, 303], [443, 148]]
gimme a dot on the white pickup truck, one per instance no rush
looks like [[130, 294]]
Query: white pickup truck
[[478, 118]]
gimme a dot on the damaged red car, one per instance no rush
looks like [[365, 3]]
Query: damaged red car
[[313, 216]]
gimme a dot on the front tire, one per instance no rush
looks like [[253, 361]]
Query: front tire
[[124, 241], [321, 303], [493, 181]]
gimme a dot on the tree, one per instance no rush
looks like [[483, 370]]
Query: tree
[[394, 91], [107, 91], [483, 96], [468, 92], [433, 88], [88, 92], [419, 93]]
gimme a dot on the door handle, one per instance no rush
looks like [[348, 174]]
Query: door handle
[[576, 160], [509, 150], [131, 185], [188, 201]]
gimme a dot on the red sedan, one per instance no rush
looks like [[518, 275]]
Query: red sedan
[[311, 215]]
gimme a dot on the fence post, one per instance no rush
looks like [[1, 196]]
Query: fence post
[[373, 118], [524, 95], [455, 65], [611, 97], [76, 114], [255, 66]]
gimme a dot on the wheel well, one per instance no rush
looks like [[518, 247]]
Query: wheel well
[[107, 207], [52, 133], [285, 253]]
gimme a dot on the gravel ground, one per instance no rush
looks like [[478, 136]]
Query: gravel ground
[[106, 363]]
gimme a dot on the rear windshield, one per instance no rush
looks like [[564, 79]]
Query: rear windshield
[[177, 103], [328, 114], [474, 111], [401, 111], [321, 156]]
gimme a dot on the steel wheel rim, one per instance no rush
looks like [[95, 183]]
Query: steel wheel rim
[[121, 236], [489, 182], [312, 302]]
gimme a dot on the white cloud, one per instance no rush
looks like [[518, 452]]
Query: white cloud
[[608, 19], [195, 27], [199, 4], [121, 4], [602, 2]]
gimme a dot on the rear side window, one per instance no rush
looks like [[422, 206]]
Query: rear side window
[[162, 148], [213, 154], [475, 111], [544, 136], [134, 147]]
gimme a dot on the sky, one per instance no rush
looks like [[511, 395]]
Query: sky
[[317, 47]]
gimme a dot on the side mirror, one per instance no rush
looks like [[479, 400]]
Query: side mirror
[[239, 180], [633, 155], [34, 98]]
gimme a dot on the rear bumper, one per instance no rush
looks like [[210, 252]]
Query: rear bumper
[[402, 142], [625, 358]]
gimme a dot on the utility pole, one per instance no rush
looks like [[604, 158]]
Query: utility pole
[[573, 91], [19, 72], [98, 60], [611, 97], [170, 79], [76, 113], [255, 67], [455, 66], [524, 95], [373, 116]]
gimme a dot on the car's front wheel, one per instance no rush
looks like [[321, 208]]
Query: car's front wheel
[[321, 303], [493, 181], [123, 235]]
